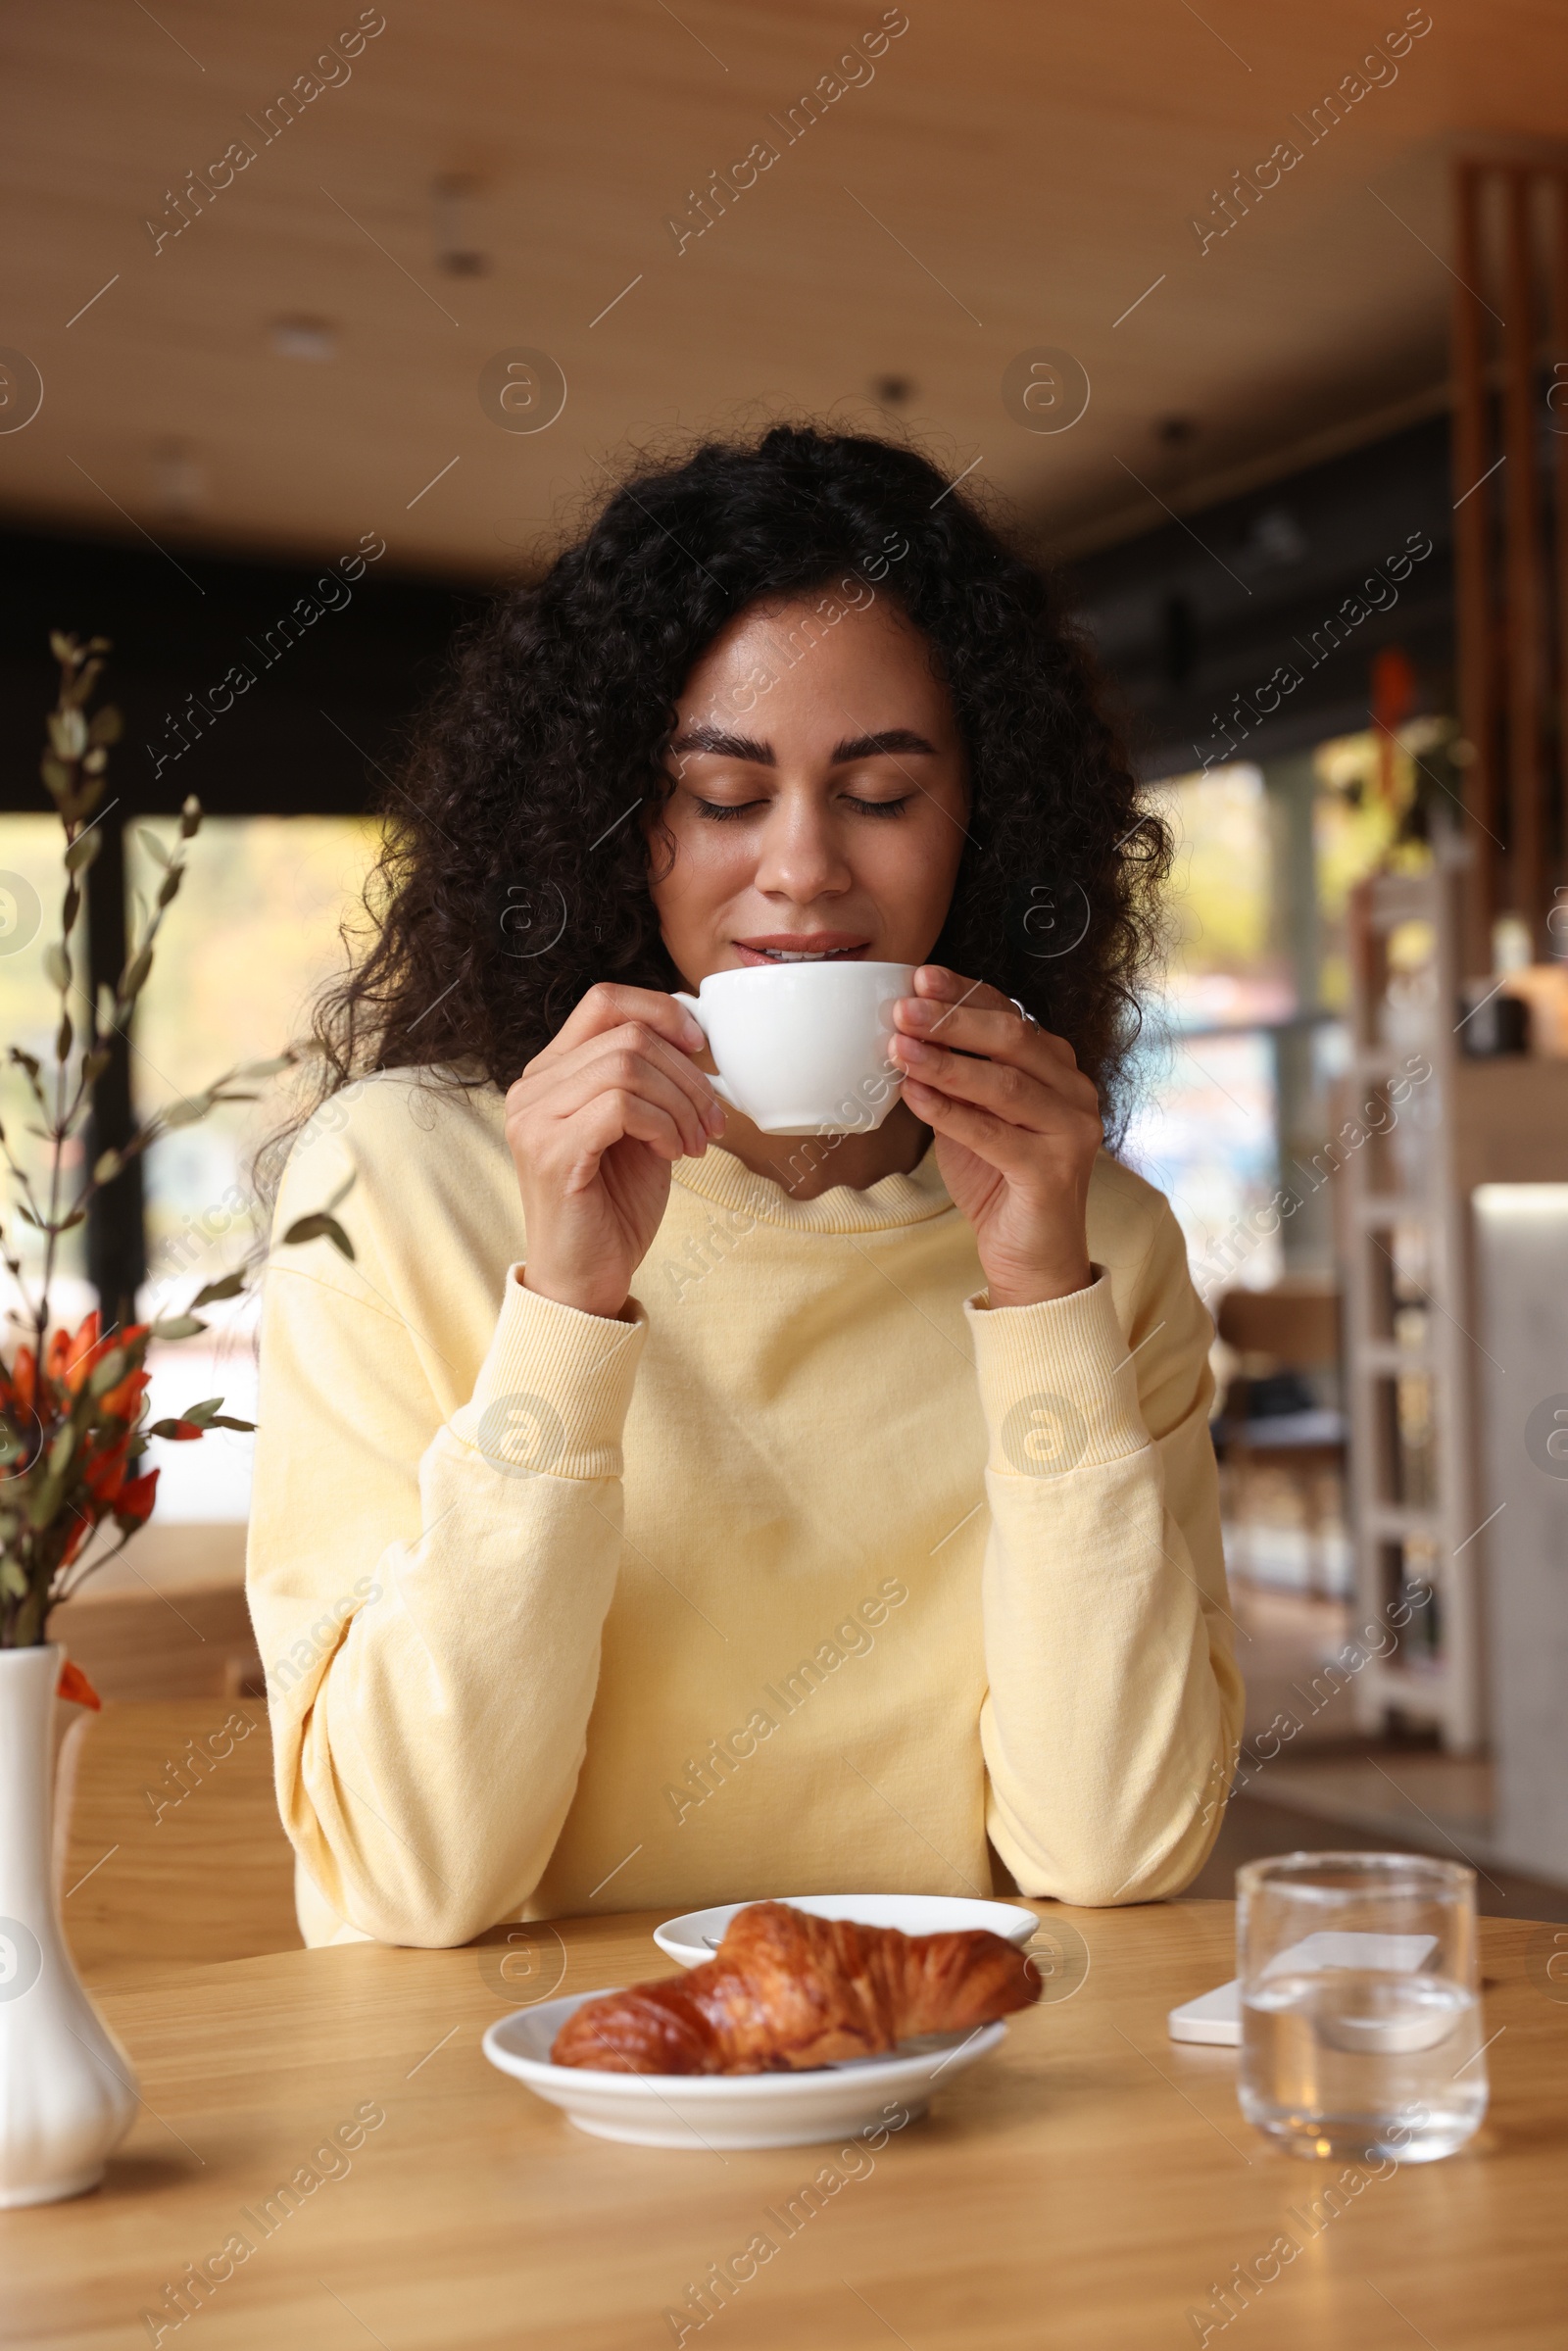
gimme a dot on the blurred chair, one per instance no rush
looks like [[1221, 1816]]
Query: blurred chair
[[168, 1848], [1272, 1418]]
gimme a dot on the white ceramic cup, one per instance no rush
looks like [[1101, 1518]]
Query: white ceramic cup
[[803, 1048]]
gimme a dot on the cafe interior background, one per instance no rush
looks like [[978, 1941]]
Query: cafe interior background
[[1280, 380]]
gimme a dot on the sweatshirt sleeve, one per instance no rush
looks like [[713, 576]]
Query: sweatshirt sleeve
[[428, 1591], [1115, 1707]]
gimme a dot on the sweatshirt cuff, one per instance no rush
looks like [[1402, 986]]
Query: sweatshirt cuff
[[1058, 1383], [554, 1388]]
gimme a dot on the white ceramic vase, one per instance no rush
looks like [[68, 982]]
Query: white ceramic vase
[[66, 2090]]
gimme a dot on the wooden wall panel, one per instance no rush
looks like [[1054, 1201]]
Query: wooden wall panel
[[1510, 335]]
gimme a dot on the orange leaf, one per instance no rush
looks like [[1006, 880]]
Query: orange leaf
[[70, 1353], [105, 1473], [75, 1686], [121, 1402], [134, 1500], [78, 1536]]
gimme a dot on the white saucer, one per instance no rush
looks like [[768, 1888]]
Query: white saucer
[[715, 2111], [697, 1936]]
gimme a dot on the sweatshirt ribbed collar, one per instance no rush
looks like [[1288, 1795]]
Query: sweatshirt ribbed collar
[[898, 1200]]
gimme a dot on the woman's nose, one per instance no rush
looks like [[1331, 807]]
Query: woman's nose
[[798, 856]]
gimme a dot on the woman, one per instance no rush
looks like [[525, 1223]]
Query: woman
[[658, 1512]]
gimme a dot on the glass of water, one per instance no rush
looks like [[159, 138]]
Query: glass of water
[[1362, 2030]]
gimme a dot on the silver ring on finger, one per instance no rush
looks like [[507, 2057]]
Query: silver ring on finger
[[1027, 1017]]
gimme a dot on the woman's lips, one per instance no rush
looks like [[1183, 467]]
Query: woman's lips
[[806, 949]]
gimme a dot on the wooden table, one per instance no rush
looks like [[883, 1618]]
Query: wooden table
[[1086, 2189]]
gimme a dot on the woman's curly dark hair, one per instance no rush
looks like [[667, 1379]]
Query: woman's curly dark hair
[[515, 869]]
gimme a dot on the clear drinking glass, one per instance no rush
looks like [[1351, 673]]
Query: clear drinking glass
[[1362, 2031]]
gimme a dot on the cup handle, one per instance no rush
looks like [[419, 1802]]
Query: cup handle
[[696, 1010]]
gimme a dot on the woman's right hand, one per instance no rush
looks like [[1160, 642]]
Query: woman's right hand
[[595, 1124]]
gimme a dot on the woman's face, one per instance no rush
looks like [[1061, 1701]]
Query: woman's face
[[819, 793]]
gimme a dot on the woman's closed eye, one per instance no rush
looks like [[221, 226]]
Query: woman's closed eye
[[880, 807], [719, 811]]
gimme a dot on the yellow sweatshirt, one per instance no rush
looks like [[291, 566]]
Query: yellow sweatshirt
[[814, 1573]]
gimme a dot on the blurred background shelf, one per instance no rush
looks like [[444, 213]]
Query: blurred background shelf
[[1416, 1365]]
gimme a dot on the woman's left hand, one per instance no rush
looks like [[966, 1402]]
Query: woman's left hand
[[1016, 1126]]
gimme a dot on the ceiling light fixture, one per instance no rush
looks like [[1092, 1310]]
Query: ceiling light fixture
[[303, 338], [179, 477], [457, 252]]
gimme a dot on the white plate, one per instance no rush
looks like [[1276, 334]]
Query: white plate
[[715, 2111], [697, 1936]]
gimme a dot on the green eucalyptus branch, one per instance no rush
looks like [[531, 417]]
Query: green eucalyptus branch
[[73, 1424], [111, 1163], [74, 774]]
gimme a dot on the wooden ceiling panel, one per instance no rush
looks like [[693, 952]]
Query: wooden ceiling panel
[[1005, 177]]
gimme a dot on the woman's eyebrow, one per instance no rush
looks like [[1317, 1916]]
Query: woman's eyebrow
[[867, 747], [724, 745]]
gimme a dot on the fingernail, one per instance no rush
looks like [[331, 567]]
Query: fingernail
[[693, 1032], [714, 1116], [917, 1009], [915, 1050]]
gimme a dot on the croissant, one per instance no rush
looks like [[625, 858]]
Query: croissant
[[786, 1990]]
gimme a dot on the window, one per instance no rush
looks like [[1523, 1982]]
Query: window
[[1206, 1125], [1245, 1041], [252, 936]]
